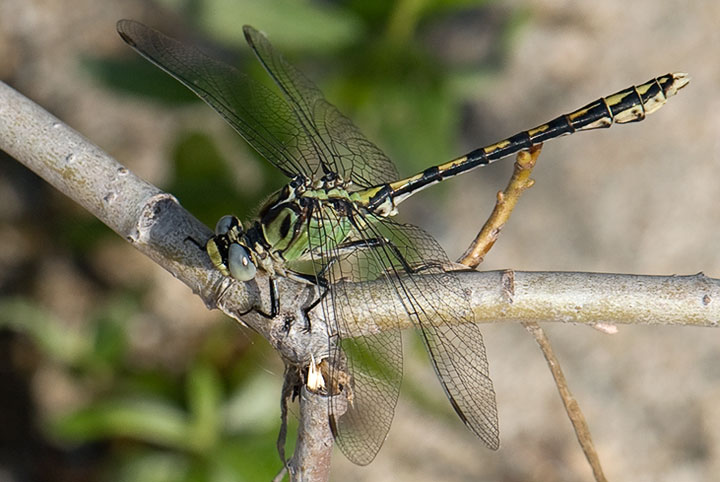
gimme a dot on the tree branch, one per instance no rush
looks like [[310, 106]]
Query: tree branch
[[311, 460]]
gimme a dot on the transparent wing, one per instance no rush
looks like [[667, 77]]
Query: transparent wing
[[370, 367], [408, 265], [260, 116], [338, 143], [436, 303]]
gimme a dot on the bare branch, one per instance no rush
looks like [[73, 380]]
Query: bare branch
[[138, 211], [504, 204], [311, 461], [582, 431], [567, 297]]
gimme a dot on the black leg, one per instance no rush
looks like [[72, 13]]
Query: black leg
[[379, 242], [274, 298], [306, 310], [274, 302], [201, 247]]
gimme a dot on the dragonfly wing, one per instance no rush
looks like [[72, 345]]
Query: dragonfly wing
[[258, 114], [340, 145], [434, 299], [457, 351], [367, 368], [361, 420]]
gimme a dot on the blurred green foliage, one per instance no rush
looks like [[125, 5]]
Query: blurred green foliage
[[210, 422], [213, 418]]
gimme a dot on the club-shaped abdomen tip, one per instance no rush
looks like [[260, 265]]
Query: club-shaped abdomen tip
[[680, 80]]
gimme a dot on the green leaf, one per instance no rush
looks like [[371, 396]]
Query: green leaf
[[417, 126], [204, 396], [314, 26], [251, 457], [153, 467], [145, 420], [50, 334], [110, 335], [206, 184], [250, 408]]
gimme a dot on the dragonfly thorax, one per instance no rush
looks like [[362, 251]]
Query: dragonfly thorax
[[282, 233]]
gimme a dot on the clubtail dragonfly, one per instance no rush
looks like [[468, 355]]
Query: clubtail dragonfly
[[332, 224]]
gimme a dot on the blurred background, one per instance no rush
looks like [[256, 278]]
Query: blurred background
[[112, 371]]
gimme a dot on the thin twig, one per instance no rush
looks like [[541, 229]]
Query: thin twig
[[504, 204], [280, 475], [483, 242], [582, 431]]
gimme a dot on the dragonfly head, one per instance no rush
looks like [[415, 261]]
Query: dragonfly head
[[229, 225], [228, 250], [239, 263]]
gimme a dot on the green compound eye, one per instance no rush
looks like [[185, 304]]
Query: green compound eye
[[240, 264], [224, 224]]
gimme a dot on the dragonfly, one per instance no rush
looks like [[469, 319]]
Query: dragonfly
[[332, 224]]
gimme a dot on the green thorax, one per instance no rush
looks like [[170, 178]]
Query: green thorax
[[302, 220]]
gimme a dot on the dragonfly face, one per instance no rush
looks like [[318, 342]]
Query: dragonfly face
[[229, 252], [331, 226]]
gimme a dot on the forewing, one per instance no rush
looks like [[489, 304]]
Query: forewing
[[340, 145], [259, 115]]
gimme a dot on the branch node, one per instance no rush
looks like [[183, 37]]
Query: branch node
[[508, 284]]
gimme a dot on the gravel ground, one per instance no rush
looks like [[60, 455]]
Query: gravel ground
[[638, 199]]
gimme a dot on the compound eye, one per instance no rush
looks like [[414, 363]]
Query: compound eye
[[240, 264], [224, 224]]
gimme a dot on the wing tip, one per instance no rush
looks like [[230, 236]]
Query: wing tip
[[123, 27], [250, 33]]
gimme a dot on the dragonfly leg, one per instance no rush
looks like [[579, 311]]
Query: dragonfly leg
[[378, 242], [194, 241], [386, 243], [323, 284], [274, 302], [274, 298], [369, 243]]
